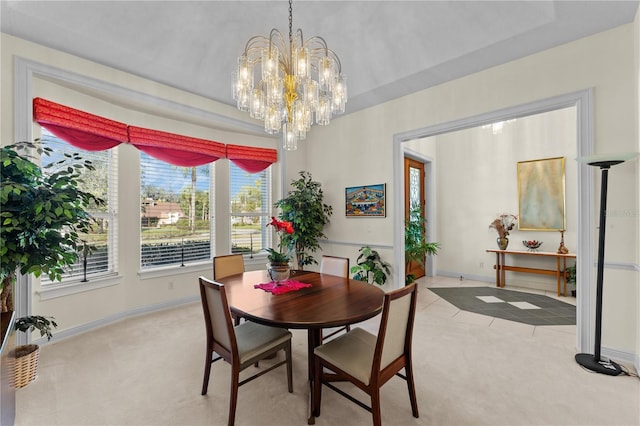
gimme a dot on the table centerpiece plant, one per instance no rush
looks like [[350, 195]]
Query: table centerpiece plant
[[278, 266]]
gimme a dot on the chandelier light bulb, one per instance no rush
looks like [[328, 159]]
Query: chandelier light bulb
[[289, 138]]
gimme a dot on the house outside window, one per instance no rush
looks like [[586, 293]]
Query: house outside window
[[175, 213]]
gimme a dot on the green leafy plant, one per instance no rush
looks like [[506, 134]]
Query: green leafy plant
[[370, 267], [42, 214], [303, 207], [415, 245], [36, 322], [571, 274]]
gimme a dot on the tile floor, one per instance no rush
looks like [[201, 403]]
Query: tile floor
[[436, 305], [520, 306]]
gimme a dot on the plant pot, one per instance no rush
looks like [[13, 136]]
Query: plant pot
[[25, 365], [278, 272], [503, 243]]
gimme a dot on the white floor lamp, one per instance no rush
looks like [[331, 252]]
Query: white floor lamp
[[595, 362]]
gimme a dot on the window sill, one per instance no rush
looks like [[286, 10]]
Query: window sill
[[166, 271], [52, 291], [258, 259]]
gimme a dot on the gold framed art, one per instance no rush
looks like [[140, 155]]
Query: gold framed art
[[541, 195]]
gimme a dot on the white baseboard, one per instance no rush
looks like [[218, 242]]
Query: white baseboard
[[80, 329]]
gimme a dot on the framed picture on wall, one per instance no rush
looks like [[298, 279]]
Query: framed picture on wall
[[541, 198], [365, 201]]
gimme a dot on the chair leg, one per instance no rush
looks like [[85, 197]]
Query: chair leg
[[287, 353], [347, 327], [375, 407], [408, 368], [233, 398], [207, 371], [317, 387]]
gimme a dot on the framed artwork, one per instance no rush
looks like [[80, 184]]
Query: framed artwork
[[541, 195], [365, 201]]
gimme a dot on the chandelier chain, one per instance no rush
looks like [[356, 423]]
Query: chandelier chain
[[290, 21]]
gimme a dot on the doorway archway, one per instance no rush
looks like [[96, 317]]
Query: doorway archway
[[582, 101]]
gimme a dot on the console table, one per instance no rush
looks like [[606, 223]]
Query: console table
[[559, 272]]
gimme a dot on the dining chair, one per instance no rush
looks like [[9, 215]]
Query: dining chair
[[242, 345], [369, 361], [334, 265], [228, 264]]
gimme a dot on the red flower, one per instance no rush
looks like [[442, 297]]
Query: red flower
[[280, 226]]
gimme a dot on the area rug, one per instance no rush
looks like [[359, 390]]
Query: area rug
[[527, 308]]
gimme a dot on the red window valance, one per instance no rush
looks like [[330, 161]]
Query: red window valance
[[251, 159], [175, 149], [95, 133], [81, 129]]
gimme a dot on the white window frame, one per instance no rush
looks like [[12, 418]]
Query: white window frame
[[266, 236]]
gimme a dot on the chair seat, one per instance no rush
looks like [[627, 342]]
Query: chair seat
[[254, 339], [352, 351]]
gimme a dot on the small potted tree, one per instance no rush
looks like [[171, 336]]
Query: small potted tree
[[43, 211], [304, 208]]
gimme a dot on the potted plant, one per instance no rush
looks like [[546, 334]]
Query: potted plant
[[570, 273], [416, 248], [43, 212], [303, 207], [370, 267], [27, 356], [278, 266]]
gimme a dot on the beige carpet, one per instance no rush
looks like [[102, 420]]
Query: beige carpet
[[470, 370]]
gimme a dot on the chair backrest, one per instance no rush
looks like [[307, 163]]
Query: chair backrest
[[226, 265], [334, 265], [396, 326], [217, 317]]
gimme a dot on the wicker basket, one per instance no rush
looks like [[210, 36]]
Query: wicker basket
[[26, 365]]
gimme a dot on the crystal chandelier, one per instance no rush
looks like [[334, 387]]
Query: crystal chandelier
[[299, 82]]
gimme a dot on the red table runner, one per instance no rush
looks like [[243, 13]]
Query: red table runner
[[282, 287]]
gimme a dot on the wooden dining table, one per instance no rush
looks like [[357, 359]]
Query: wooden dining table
[[330, 301]]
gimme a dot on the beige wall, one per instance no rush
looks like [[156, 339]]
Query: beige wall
[[358, 149], [360, 145], [133, 291]]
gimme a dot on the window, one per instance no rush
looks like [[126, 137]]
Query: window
[[250, 195], [174, 213], [102, 257]]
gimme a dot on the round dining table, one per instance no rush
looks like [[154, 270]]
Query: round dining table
[[329, 301]]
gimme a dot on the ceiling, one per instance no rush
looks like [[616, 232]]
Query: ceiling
[[387, 48]]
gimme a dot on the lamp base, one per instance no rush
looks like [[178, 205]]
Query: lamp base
[[589, 362]]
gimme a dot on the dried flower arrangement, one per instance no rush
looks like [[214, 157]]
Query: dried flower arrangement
[[504, 223]]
